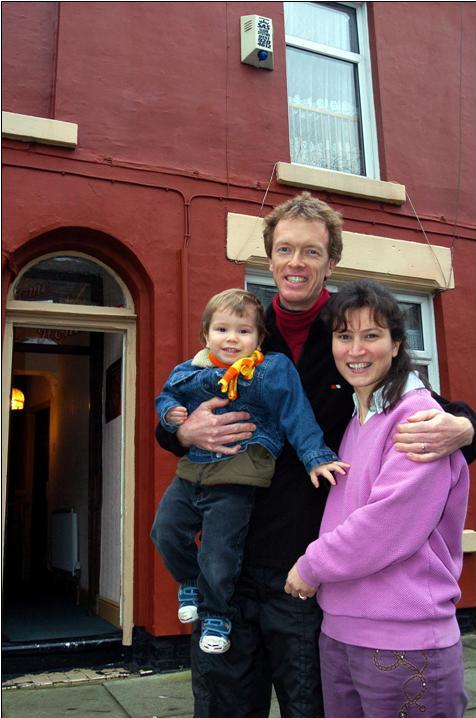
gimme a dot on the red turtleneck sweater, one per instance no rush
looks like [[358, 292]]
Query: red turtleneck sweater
[[294, 326]]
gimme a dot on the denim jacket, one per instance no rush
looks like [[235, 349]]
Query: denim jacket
[[274, 398]]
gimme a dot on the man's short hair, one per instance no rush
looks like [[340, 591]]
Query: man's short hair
[[304, 206], [236, 301]]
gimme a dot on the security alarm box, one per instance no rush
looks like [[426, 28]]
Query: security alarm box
[[257, 41]]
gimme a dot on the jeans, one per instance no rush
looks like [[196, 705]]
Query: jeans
[[274, 641], [222, 513]]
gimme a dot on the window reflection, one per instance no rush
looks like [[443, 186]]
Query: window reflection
[[70, 280], [265, 293], [413, 325]]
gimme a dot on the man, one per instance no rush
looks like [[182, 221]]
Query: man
[[275, 635]]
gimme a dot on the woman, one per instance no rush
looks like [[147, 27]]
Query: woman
[[388, 559]]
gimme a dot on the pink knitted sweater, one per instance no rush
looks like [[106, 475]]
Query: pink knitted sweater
[[389, 553]]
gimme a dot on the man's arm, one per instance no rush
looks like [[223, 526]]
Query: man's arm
[[169, 441], [208, 431], [431, 434]]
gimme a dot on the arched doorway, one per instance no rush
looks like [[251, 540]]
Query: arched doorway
[[68, 472]]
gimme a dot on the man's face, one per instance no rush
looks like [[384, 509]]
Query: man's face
[[300, 261]]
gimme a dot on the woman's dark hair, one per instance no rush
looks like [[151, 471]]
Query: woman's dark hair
[[387, 314]]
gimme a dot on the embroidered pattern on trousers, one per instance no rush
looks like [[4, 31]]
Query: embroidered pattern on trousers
[[414, 687]]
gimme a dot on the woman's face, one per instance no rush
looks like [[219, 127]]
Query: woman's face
[[363, 352]]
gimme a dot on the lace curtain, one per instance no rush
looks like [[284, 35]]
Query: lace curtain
[[324, 115]]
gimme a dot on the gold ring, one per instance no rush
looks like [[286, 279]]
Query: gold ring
[[423, 448], [303, 598]]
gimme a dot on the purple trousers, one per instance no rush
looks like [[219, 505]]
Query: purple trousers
[[367, 683]]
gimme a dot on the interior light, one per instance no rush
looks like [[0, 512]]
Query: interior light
[[18, 400]]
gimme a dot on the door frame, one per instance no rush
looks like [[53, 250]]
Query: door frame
[[92, 319]]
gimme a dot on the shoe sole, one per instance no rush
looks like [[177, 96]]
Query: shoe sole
[[217, 649]]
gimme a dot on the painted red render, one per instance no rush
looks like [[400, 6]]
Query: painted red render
[[174, 132]]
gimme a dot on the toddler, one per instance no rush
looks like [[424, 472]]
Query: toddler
[[212, 492]]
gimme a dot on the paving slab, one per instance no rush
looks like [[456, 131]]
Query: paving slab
[[469, 647], [159, 696], [154, 696], [86, 701]]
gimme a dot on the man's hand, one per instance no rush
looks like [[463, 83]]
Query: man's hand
[[432, 434], [297, 587], [212, 432]]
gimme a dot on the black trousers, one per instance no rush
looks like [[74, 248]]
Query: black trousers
[[274, 641]]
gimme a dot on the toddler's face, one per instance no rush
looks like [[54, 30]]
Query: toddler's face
[[231, 337]]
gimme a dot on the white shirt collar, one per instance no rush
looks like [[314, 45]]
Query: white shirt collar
[[378, 405]]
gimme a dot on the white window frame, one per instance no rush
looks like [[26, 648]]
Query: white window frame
[[428, 356], [364, 73]]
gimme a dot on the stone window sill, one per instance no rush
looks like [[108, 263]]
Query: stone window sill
[[26, 128], [339, 183]]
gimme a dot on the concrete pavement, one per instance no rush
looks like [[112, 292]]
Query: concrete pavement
[[119, 693]]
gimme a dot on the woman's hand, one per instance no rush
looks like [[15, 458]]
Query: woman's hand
[[297, 587], [212, 432]]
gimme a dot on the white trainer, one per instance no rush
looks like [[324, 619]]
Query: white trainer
[[215, 632], [187, 614], [188, 603], [214, 644]]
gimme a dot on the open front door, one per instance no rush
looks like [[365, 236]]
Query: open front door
[[68, 473]]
